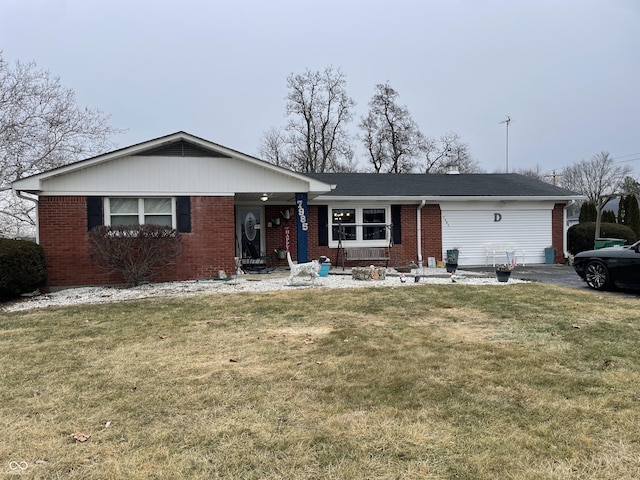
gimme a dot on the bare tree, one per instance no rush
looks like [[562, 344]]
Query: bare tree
[[630, 186], [439, 154], [273, 148], [316, 139], [535, 172], [599, 179], [390, 136], [41, 127], [395, 144]]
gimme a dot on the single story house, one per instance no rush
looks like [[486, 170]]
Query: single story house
[[227, 205]]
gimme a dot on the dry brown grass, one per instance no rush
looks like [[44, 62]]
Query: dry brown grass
[[429, 382]]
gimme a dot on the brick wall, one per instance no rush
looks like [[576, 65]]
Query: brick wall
[[63, 236], [274, 233], [431, 232], [209, 248], [557, 231]]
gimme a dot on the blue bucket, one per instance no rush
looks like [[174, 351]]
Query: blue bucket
[[324, 269]]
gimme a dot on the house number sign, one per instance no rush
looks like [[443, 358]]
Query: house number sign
[[302, 214], [497, 217], [302, 230]]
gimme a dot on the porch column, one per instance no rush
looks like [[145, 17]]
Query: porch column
[[302, 225]]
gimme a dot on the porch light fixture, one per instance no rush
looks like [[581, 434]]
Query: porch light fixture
[[264, 197]]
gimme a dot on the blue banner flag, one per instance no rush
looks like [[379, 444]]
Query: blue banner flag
[[302, 222]]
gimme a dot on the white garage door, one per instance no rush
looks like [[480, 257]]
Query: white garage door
[[471, 230]]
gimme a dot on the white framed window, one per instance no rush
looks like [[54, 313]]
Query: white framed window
[[359, 225], [140, 211]]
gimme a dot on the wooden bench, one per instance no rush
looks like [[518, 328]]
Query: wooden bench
[[493, 250], [367, 253]]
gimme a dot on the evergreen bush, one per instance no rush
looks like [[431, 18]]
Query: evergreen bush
[[22, 268], [581, 237], [588, 212], [622, 210], [632, 214], [608, 217]]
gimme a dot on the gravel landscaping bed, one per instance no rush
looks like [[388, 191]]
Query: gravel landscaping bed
[[242, 283]]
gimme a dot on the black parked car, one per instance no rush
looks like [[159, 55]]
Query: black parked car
[[611, 266]]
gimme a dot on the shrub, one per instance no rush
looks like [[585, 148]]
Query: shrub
[[581, 237], [588, 212], [22, 268], [137, 252], [608, 217], [629, 207]]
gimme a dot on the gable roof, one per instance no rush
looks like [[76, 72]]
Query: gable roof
[[253, 176], [209, 162], [434, 186]]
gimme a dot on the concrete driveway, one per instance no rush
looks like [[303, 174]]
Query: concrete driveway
[[563, 275], [557, 274]]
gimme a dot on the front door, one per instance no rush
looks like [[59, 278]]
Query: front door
[[249, 232]]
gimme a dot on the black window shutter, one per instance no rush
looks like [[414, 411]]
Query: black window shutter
[[94, 212], [396, 220], [183, 214], [323, 230]]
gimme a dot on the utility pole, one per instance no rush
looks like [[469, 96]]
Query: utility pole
[[507, 121], [554, 177]]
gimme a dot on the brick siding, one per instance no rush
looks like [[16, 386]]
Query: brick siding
[[210, 246], [207, 249], [63, 236], [557, 231]]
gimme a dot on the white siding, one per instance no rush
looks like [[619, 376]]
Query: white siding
[[173, 175], [470, 226]]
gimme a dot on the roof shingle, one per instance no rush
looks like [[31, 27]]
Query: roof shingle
[[445, 185]]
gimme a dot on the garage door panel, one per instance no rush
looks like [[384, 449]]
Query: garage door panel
[[470, 231]]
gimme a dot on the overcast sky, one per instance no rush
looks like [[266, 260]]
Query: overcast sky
[[567, 72]]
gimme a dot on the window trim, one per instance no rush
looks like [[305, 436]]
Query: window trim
[[359, 224], [141, 212]]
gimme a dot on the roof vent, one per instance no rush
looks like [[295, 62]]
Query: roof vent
[[181, 148], [452, 169]]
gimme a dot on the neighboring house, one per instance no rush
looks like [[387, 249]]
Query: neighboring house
[[226, 204]]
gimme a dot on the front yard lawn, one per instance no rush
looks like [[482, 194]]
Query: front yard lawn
[[529, 381]]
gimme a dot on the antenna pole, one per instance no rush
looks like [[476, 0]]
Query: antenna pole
[[507, 121]]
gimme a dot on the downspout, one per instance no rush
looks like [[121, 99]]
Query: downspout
[[34, 200], [565, 228], [419, 231]]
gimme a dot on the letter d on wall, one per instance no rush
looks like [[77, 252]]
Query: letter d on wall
[[497, 217]]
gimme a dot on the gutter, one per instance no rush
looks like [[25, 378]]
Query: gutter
[[329, 198], [419, 231]]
